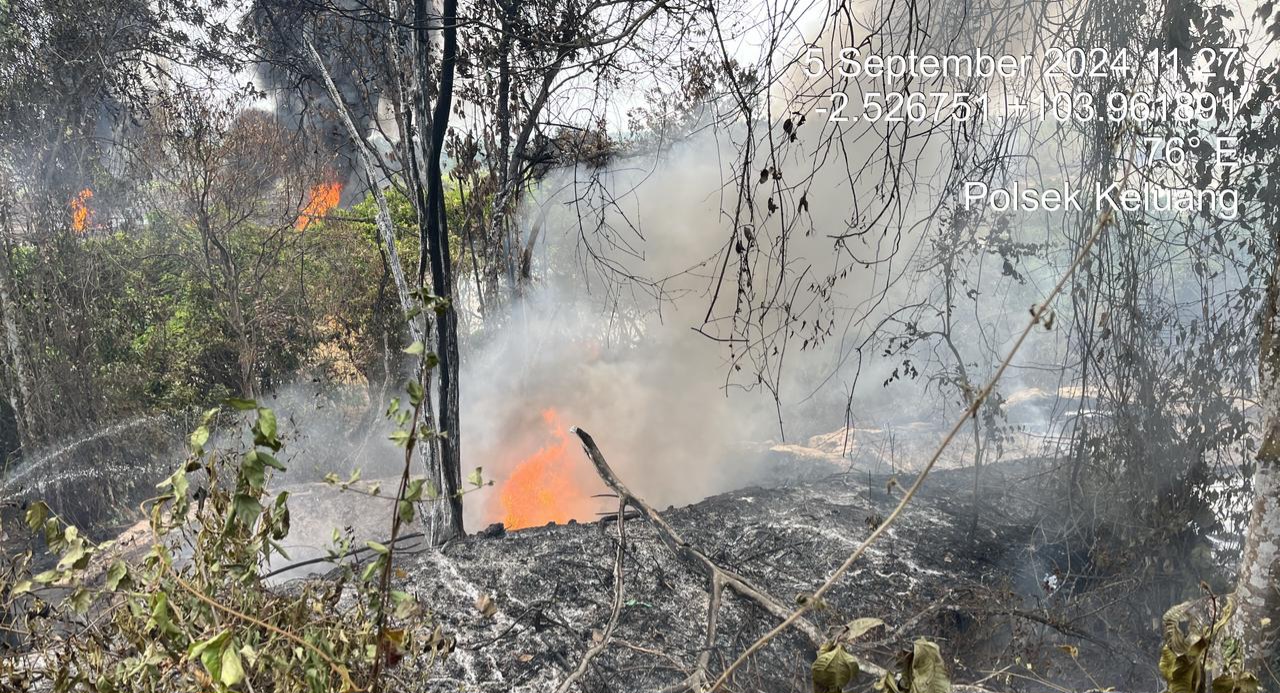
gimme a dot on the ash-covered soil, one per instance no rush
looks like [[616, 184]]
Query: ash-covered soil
[[552, 588]]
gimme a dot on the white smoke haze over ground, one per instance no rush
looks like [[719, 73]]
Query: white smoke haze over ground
[[661, 398], [629, 367]]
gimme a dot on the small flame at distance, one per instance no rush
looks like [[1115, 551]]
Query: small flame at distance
[[322, 198], [543, 488], [81, 214]]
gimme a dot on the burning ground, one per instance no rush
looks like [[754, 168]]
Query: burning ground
[[523, 607]]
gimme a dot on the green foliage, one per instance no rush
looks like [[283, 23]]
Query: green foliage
[[833, 669], [405, 222], [920, 670], [1191, 650], [194, 614]]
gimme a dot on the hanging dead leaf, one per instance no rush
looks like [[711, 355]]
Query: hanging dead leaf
[[393, 645], [833, 669]]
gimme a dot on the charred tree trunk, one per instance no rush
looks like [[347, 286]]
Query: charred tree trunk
[[1257, 615], [502, 222], [434, 230]]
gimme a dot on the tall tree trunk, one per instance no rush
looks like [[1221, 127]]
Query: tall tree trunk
[[20, 387], [434, 230], [502, 222], [1257, 615]]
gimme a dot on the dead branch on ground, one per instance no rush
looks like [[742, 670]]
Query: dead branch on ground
[[718, 577]]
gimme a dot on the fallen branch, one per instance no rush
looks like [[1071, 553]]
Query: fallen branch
[[613, 614], [718, 577]]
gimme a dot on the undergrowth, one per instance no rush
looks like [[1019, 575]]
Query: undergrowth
[[194, 613]]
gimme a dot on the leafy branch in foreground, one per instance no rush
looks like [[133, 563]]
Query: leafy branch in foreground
[[195, 613], [1197, 656]]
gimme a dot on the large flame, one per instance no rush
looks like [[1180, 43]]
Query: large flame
[[81, 214], [542, 488], [322, 198]]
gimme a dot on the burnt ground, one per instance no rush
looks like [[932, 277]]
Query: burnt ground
[[988, 597], [984, 598]]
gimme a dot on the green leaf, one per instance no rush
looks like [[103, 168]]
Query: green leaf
[[249, 653], [270, 460], [266, 428], [833, 669], [416, 394], [475, 478], [1184, 673], [76, 556], [37, 513], [416, 349], [887, 683], [22, 587], [232, 669], [1182, 657], [116, 574], [414, 492], [859, 627], [54, 536], [376, 547], [246, 509], [928, 671], [400, 437], [253, 471], [47, 577], [160, 619], [1236, 683], [178, 481], [240, 404], [80, 600], [199, 437], [210, 653], [405, 509], [403, 604]]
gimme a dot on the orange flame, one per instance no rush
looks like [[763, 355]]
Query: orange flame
[[542, 488], [322, 198], [81, 215]]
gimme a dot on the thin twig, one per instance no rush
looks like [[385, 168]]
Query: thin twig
[[384, 583], [336, 559]]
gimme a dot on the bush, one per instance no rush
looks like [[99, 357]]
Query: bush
[[194, 614]]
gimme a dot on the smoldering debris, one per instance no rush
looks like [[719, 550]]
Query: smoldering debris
[[548, 591]]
